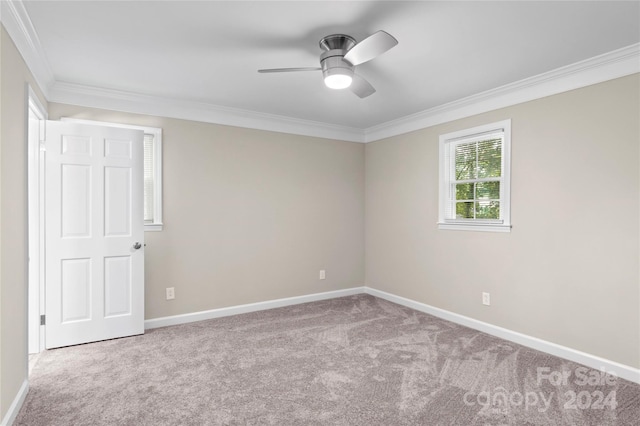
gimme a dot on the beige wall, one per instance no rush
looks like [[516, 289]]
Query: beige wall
[[249, 215], [13, 221], [569, 270]]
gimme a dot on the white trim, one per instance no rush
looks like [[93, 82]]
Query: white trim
[[37, 106], [35, 196], [484, 227], [250, 307], [153, 227], [624, 371], [19, 26], [615, 64], [16, 405], [94, 97], [608, 66]]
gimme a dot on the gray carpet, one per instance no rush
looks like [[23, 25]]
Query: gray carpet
[[355, 360]]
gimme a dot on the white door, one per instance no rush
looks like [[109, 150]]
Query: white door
[[36, 224], [94, 233]]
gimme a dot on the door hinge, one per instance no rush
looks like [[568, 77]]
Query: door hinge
[[42, 320]]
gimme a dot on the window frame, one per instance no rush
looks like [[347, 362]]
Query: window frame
[[447, 143], [157, 224]]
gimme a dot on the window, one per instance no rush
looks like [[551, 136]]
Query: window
[[152, 179], [475, 178], [152, 170]]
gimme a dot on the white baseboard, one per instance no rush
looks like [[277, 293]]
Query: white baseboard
[[251, 307], [624, 371], [14, 409]]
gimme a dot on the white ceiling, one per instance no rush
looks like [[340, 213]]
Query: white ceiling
[[210, 51]]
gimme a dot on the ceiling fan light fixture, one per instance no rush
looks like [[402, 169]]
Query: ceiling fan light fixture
[[338, 78], [337, 73]]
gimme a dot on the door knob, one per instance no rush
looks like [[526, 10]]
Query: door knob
[[137, 246]]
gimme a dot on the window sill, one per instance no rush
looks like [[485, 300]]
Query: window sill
[[482, 227], [152, 227]]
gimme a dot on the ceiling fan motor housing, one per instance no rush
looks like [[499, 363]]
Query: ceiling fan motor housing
[[332, 61], [337, 41]]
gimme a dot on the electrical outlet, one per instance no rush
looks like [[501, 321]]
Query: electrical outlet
[[171, 293], [486, 299], [322, 275]]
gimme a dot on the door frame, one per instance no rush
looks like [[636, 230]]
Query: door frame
[[36, 216]]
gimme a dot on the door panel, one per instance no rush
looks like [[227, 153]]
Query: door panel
[[94, 218], [117, 186], [76, 201], [117, 285], [76, 290]]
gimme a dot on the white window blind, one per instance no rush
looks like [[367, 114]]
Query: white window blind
[[149, 178]]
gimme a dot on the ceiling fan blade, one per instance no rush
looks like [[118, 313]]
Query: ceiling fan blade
[[361, 87], [290, 69], [372, 46]]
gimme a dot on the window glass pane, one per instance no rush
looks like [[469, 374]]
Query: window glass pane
[[490, 158], [465, 160], [487, 191], [487, 210], [464, 210], [464, 191]]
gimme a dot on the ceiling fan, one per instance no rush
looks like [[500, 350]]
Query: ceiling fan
[[340, 57]]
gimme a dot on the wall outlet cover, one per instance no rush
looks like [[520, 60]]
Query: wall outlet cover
[[486, 299], [171, 293]]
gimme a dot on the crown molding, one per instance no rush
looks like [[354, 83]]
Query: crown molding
[[16, 20], [94, 97], [14, 17], [614, 64]]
